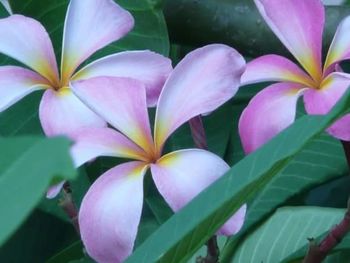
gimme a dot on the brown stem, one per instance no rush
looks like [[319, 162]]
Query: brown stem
[[317, 253], [69, 207], [200, 140], [198, 132]]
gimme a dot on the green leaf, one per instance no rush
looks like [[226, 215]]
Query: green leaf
[[186, 231], [286, 231], [297, 255], [22, 118], [27, 167], [310, 167], [236, 23], [3, 11], [37, 239], [73, 252]]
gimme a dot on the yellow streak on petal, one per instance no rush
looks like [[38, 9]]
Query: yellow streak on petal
[[313, 68], [46, 70], [138, 170], [168, 160], [292, 92], [65, 91]]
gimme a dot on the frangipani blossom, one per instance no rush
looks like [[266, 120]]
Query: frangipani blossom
[[89, 26], [299, 25], [110, 211]]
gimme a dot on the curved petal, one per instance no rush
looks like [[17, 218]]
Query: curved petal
[[268, 113], [321, 102], [16, 83], [61, 112], [91, 143], [148, 67], [340, 47], [182, 175], [121, 102], [200, 83], [299, 25], [90, 25], [54, 190], [26, 40], [274, 68], [110, 213]]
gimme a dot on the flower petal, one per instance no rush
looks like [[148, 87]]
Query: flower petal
[[321, 102], [299, 25], [274, 68], [268, 113], [61, 112], [340, 47], [54, 190], [121, 102], [148, 67], [16, 83], [182, 175], [26, 40], [90, 25], [91, 143], [200, 83], [110, 213]]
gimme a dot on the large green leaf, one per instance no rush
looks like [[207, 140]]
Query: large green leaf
[[27, 167], [234, 22], [312, 166], [37, 239], [297, 255], [186, 231], [285, 232]]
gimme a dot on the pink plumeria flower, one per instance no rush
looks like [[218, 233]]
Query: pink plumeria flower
[[110, 211], [299, 25], [89, 26]]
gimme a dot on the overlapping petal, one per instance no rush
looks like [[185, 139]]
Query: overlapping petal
[[268, 113], [122, 103], [96, 142], [299, 25], [16, 82], [150, 68], [274, 68], [321, 102], [54, 190], [340, 47], [26, 40], [110, 213], [61, 112], [201, 82], [182, 175], [89, 26]]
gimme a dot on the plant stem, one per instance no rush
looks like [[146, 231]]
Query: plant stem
[[317, 253], [200, 140], [69, 207], [198, 133]]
